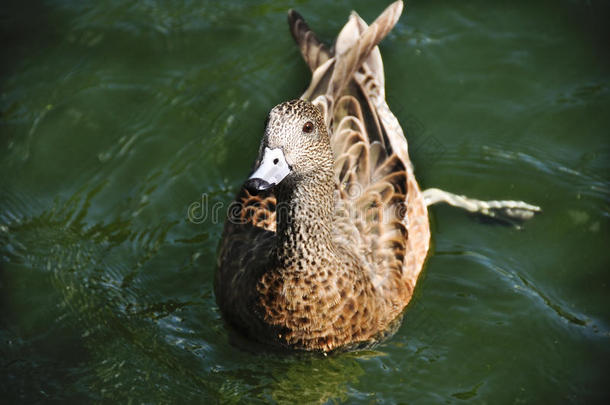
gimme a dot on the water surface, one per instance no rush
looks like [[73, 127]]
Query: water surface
[[123, 124]]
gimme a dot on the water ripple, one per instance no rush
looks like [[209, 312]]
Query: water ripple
[[520, 283]]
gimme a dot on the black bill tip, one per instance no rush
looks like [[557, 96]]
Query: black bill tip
[[255, 185]]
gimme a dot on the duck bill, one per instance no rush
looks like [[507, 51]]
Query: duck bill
[[271, 171]]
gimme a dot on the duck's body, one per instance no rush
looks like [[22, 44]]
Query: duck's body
[[329, 256], [341, 262]]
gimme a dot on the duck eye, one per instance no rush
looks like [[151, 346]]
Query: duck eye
[[308, 127]]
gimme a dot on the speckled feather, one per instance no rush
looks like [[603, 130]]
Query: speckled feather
[[329, 258]]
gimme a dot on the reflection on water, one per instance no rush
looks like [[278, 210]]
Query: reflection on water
[[116, 118]]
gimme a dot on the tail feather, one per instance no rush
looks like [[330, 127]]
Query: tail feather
[[349, 35], [349, 61], [313, 50]]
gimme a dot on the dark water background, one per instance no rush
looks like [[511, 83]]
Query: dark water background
[[116, 117]]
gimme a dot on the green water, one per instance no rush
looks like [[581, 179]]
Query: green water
[[116, 117]]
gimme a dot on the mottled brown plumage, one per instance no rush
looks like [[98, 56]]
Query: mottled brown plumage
[[329, 257]]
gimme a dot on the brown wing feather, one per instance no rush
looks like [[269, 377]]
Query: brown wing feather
[[380, 204]]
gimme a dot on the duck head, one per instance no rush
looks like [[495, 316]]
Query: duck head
[[295, 146]]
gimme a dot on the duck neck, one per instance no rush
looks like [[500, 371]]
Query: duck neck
[[304, 220]]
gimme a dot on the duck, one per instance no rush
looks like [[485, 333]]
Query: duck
[[326, 239]]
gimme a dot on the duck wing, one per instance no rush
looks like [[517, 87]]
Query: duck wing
[[380, 208]]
